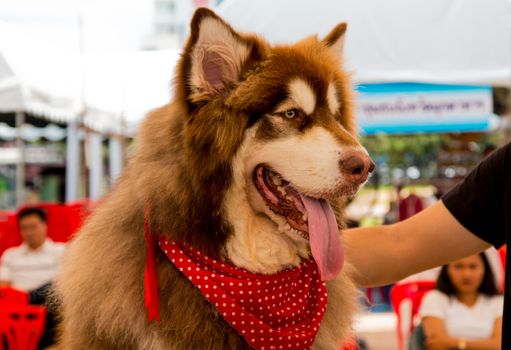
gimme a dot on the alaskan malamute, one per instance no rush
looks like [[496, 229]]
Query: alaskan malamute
[[223, 230]]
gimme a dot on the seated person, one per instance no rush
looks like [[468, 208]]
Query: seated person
[[465, 309], [34, 264]]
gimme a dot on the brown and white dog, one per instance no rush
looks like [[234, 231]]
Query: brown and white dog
[[252, 131]]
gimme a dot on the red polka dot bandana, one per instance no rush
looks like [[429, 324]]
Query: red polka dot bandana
[[279, 311]]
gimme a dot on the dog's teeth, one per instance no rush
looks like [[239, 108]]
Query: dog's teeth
[[281, 190], [304, 217], [299, 233]]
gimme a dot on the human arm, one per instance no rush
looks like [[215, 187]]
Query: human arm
[[437, 338], [436, 236], [384, 254]]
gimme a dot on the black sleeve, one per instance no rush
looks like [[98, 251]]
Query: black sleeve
[[482, 202]]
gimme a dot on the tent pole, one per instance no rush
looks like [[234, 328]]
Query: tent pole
[[95, 165], [20, 164], [115, 157], [72, 161]]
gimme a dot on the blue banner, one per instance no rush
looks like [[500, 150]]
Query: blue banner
[[403, 108]]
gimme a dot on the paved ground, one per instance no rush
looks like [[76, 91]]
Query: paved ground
[[378, 330]]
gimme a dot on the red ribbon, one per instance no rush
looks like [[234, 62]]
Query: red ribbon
[[150, 279]]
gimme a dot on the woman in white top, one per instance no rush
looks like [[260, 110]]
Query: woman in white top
[[465, 310]]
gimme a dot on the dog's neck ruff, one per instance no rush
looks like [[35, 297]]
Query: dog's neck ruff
[[278, 311]]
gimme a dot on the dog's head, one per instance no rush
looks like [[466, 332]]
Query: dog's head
[[268, 139]]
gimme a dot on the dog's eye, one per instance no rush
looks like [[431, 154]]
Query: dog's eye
[[290, 114]]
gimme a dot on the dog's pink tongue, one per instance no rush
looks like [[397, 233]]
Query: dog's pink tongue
[[325, 242]]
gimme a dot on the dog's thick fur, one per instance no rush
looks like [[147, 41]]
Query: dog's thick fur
[[193, 166]]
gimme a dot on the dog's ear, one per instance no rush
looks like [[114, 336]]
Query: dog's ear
[[335, 39], [216, 54]]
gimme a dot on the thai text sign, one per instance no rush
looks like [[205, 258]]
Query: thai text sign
[[410, 107]]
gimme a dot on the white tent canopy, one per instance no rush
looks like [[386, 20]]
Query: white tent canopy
[[120, 88], [436, 41], [35, 80], [114, 90]]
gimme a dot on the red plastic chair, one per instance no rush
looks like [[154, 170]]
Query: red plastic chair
[[10, 296], [503, 254], [406, 299], [22, 326], [9, 235]]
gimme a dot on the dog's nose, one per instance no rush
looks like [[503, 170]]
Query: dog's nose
[[356, 167]]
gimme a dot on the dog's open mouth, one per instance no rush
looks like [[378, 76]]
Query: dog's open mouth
[[282, 198], [312, 218]]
